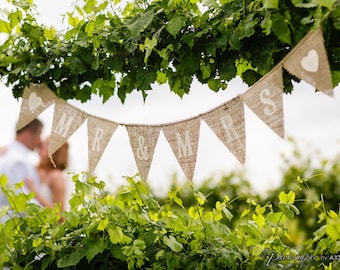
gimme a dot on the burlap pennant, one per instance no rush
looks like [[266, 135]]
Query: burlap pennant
[[99, 133], [309, 62], [183, 139], [227, 122], [143, 140], [36, 99], [265, 99], [66, 120]]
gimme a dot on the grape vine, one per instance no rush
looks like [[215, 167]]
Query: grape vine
[[113, 49]]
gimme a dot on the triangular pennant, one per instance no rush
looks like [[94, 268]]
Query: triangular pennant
[[227, 122], [66, 120], [143, 140], [308, 61], [99, 133], [183, 139], [265, 99], [36, 99]]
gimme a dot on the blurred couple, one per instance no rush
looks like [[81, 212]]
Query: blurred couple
[[45, 179]]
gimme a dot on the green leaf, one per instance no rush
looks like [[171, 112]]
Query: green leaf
[[37, 69], [90, 28], [72, 259], [195, 212], [333, 230], [227, 213], [214, 84], [139, 243], [72, 218], [161, 77], [72, 20], [270, 4], [189, 39], [280, 28], [172, 243], [276, 217], [20, 202], [327, 3], [37, 242], [173, 196], [137, 23], [95, 247], [260, 210], [205, 69], [266, 24], [49, 33], [3, 180], [173, 261], [175, 25], [149, 46], [117, 236], [84, 94], [5, 27], [332, 214], [103, 224], [200, 198], [15, 18], [245, 212], [320, 233], [259, 219], [103, 88], [247, 26], [287, 197], [287, 209], [144, 78]]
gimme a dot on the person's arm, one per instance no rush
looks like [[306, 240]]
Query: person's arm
[[58, 188], [31, 186]]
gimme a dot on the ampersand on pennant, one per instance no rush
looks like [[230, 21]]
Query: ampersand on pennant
[[142, 151]]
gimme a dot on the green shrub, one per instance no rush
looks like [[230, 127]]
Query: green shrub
[[132, 230]]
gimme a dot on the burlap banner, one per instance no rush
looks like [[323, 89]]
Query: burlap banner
[[227, 122], [36, 99], [183, 140], [143, 140], [66, 120], [99, 132], [309, 62], [265, 99]]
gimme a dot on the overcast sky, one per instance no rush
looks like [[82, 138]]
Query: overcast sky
[[310, 118]]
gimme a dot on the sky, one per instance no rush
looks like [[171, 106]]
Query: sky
[[312, 119]]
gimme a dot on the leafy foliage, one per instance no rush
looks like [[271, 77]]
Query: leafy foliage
[[108, 50], [132, 230]]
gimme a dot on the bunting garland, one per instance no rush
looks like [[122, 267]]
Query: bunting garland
[[143, 140], [35, 100], [183, 139], [99, 133], [307, 61], [66, 120], [266, 100], [227, 122]]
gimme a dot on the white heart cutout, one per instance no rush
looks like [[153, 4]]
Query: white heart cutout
[[311, 61], [34, 101]]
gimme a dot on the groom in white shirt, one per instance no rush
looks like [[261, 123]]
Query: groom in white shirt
[[15, 163]]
